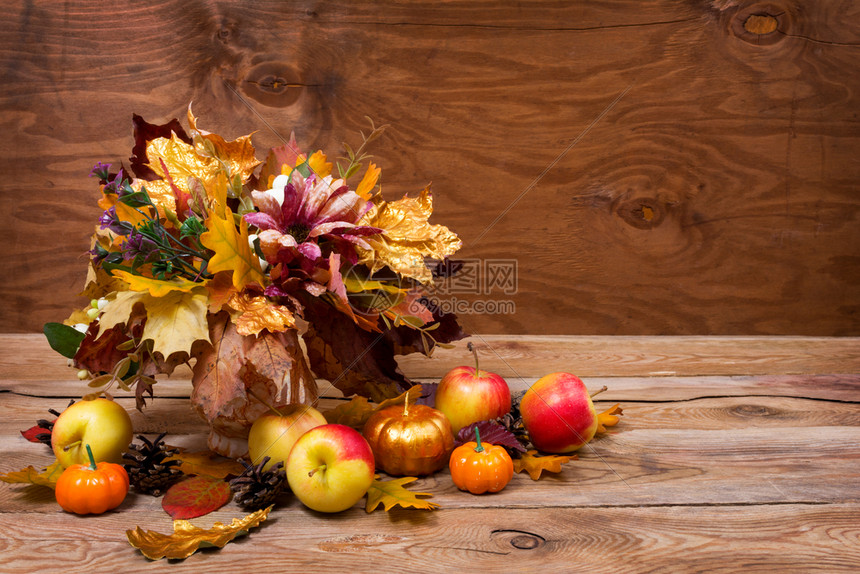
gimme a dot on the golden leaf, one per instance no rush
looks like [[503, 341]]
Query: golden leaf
[[407, 237], [535, 465], [206, 462], [187, 538], [253, 313], [352, 414], [182, 161], [155, 287], [609, 417], [232, 250], [237, 155], [30, 475], [391, 493], [173, 321]]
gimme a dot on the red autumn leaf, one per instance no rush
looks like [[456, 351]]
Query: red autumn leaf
[[491, 432], [195, 497], [32, 433]]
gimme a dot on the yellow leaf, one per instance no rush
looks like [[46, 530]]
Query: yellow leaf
[[206, 462], [368, 182], [535, 465], [609, 417], [187, 538], [173, 321], [319, 164], [182, 162], [407, 237], [352, 414], [30, 475], [232, 250], [236, 155], [391, 493], [253, 313], [155, 287]]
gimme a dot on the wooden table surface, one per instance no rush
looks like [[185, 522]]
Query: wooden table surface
[[734, 454]]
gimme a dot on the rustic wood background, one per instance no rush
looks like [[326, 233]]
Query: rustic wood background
[[664, 167]]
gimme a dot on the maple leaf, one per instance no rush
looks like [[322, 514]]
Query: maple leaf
[[253, 313], [491, 432], [30, 475], [232, 250], [187, 538], [145, 132], [196, 496], [533, 464], [173, 322], [390, 493], [207, 463], [234, 366], [609, 417], [407, 237]]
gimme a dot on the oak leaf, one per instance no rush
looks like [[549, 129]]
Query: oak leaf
[[207, 463], [533, 464], [196, 496], [30, 475], [390, 493], [232, 250], [187, 538], [609, 417]]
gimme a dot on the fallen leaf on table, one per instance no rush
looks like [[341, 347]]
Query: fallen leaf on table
[[535, 465], [206, 462], [391, 493], [30, 475], [187, 538], [33, 433], [609, 417], [196, 496]]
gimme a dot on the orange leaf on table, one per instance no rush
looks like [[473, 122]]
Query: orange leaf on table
[[390, 493], [609, 417], [196, 496], [206, 462], [533, 464]]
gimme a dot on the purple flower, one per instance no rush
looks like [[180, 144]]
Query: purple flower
[[109, 220], [100, 170], [139, 245]]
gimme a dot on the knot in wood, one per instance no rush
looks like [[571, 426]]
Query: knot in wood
[[521, 539], [641, 212], [750, 411], [761, 24], [273, 84]]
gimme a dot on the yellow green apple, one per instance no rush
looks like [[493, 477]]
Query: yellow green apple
[[274, 435], [101, 423]]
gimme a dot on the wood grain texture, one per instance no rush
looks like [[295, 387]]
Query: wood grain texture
[[668, 171], [702, 474]]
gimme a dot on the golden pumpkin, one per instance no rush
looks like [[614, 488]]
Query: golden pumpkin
[[409, 440]]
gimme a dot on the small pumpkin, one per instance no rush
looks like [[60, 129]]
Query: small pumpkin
[[481, 467], [92, 488], [409, 440]]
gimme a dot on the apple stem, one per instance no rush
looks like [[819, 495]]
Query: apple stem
[[265, 402], [92, 458], [480, 447], [71, 445], [314, 471], [472, 348], [598, 391]]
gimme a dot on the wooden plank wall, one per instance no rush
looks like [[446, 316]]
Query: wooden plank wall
[[655, 168]]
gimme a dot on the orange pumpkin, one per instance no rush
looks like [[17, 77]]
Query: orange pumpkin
[[481, 467], [409, 440], [92, 488]]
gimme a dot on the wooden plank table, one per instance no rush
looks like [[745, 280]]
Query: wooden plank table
[[733, 454]]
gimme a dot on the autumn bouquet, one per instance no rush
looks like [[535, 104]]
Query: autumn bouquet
[[260, 276]]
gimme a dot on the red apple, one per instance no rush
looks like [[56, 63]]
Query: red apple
[[558, 413], [468, 395], [330, 468], [274, 435]]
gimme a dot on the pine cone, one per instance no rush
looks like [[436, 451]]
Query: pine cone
[[513, 421], [147, 470], [257, 488]]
